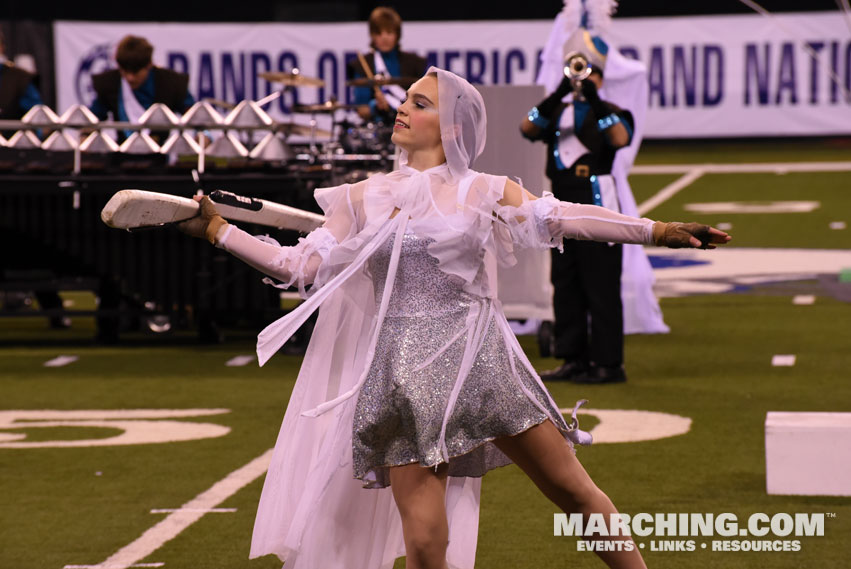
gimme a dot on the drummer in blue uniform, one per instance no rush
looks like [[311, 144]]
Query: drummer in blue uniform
[[379, 104]]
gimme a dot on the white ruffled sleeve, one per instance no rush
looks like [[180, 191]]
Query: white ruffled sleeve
[[301, 264], [546, 221], [297, 265]]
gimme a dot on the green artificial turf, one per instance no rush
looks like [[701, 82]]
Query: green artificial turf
[[61, 506], [743, 151], [714, 368], [645, 186], [783, 230], [57, 510]]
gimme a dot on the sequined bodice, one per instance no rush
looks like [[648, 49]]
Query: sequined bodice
[[421, 288]]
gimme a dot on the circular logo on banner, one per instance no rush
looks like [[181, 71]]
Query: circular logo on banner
[[96, 60]]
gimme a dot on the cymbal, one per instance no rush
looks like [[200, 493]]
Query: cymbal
[[220, 103], [326, 107], [302, 130], [381, 80], [291, 79]]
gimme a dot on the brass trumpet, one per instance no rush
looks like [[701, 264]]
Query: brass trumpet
[[576, 68]]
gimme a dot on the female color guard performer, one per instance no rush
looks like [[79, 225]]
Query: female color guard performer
[[414, 386]]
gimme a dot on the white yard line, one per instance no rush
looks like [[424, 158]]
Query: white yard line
[[206, 511], [783, 360], [172, 525], [757, 167], [109, 567], [60, 361], [239, 361], [692, 172], [670, 190]]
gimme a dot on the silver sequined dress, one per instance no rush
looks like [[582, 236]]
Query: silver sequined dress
[[401, 406]]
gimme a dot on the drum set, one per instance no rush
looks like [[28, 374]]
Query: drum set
[[326, 137]]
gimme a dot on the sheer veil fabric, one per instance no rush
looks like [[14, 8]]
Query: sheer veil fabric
[[463, 122], [313, 512]]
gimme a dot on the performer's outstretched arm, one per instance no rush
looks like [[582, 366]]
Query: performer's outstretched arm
[[297, 264], [593, 223]]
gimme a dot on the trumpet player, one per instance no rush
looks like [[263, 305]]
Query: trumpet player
[[583, 133]]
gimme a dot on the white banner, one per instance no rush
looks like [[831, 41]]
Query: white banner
[[743, 75], [708, 76]]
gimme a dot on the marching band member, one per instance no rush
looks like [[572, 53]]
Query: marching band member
[[582, 137], [385, 58], [127, 92], [414, 386], [18, 92], [593, 136]]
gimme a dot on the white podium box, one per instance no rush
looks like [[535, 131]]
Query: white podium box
[[808, 453]]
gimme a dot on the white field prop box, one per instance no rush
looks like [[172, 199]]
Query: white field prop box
[[808, 453]]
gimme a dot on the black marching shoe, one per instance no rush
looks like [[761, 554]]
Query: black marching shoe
[[566, 372], [601, 374]]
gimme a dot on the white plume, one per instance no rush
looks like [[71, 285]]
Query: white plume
[[599, 15]]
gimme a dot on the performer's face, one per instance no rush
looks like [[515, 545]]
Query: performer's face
[[417, 120], [136, 78], [384, 40]]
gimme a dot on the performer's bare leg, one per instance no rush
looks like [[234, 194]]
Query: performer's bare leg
[[543, 454], [420, 495]]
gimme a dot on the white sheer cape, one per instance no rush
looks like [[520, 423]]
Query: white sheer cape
[[313, 513]]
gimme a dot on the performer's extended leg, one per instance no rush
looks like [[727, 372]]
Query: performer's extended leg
[[420, 495], [543, 454]]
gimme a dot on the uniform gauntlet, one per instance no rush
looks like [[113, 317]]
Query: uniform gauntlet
[[206, 224], [678, 235]]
